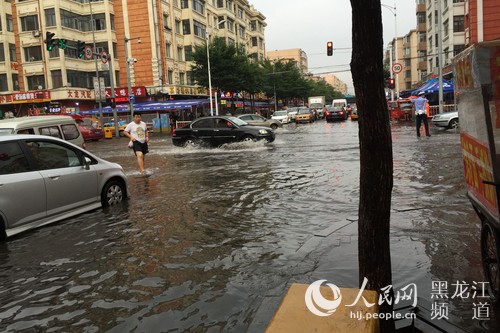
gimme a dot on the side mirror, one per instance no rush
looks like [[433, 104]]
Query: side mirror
[[86, 163]]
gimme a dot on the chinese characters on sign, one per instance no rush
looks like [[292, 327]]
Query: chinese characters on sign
[[476, 291]]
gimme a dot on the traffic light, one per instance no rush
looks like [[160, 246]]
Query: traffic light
[[50, 41], [62, 44], [80, 48], [391, 84], [329, 48]]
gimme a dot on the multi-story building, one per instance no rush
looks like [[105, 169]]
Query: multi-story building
[[482, 21], [152, 40], [451, 31], [409, 60], [421, 29], [335, 82], [296, 55]]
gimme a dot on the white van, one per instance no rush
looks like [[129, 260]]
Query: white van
[[63, 127], [340, 103]]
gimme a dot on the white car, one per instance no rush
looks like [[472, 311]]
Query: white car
[[447, 120], [281, 116], [45, 179]]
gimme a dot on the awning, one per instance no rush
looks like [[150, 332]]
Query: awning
[[153, 106]]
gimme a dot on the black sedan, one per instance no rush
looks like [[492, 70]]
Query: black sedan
[[218, 130], [335, 113]]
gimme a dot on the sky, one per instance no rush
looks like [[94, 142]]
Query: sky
[[309, 25]]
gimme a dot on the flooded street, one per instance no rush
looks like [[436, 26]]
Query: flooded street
[[212, 238]]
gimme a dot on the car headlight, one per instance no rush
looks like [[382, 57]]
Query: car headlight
[[262, 131], [436, 117]]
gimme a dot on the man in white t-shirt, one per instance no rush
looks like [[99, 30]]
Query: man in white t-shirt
[[137, 132]]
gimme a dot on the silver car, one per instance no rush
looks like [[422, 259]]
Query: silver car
[[256, 120], [45, 179], [447, 120]]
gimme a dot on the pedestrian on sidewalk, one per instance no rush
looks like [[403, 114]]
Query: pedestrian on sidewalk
[[137, 132], [420, 104]]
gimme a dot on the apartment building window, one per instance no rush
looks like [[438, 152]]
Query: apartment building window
[[220, 3], [29, 23], [112, 21], [445, 3], [12, 52], [430, 65], [50, 17], [240, 12], [81, 79], [3, 83], [241, 31], [446, 52], [230, 25], [32, 53], [436, 40], [70, 51], [188, 53], [184, 4], [73, 21], [0, 23], [36, 82], [446, 27], [186, 27], [429, 18], [407, 62], [56, 79], [430, 43], [2, 52], [190, 79], [15, 82], [457, 49], [229, 5], [407, 51], [458, 1], [167, 50], [254, 41], [458, 23], [253, 25], [199, 6], [99, 21], [421, 18], [182, 78], [199, 29], [422, 36], [177, 26], [436, 18], [180, 53], [10, 24], [220, 19], [230, 41], [170, 75], [175, 3]]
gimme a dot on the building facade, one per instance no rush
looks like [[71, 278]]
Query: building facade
[[152, 40], [482, 21], [296, 55], [335, 82]]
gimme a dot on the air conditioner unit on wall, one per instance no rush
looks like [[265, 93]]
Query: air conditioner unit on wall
[[36, 33]]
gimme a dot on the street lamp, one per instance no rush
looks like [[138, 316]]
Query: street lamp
[[210, 76], [129, 60], [393, 10]]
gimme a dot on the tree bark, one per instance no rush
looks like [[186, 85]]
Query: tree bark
[[376, 171]]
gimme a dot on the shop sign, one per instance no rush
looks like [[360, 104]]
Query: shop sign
[[31, 97]]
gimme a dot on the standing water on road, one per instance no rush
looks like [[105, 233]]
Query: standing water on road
[[211, 238]]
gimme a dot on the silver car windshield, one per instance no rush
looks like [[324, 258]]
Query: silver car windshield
[[280, 113], [238, 121]]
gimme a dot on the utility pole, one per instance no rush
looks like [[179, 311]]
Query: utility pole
[[440, 54]]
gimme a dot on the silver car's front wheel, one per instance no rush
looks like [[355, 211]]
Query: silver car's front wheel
[[113, 193]]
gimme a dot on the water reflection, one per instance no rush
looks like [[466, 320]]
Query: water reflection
[[211, 238]]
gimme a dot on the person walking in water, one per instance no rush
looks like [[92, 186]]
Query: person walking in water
[[419, 104], [137, 132]]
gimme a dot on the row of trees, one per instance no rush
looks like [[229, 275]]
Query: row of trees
[[232, 69]]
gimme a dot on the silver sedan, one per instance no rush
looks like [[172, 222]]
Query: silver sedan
[[256, 120]]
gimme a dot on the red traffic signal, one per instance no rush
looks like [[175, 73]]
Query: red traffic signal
[[391, 84], [329, 48]]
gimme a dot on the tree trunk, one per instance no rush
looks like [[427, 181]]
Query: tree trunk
[[376, 172]]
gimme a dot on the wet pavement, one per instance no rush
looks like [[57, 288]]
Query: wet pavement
[[211, 239]]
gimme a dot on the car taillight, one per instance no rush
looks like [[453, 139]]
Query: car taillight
[[173, 131], [341, 112], [327, 113]]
